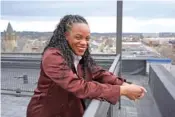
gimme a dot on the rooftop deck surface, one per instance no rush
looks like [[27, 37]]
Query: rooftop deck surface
[[145, 107], [16, 106]]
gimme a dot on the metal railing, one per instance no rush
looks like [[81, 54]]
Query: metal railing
[[101, 108], [38, 54], [20, 75]]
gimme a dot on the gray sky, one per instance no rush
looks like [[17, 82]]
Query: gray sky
[[142, 9], [20, 11]]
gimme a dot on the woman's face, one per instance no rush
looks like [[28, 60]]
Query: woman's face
[[78, 38]]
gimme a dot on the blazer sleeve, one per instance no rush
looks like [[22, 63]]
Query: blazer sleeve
[[56, 68], [103, 76]]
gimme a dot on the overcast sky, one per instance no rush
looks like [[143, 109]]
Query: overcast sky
[[139, 16]]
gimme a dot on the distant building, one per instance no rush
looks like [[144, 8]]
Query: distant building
[[9, 42], [34, 46], [151, 41], [166, 34], [150, 35], [172, 42]]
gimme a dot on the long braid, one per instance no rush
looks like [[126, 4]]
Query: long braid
[[58, 40]]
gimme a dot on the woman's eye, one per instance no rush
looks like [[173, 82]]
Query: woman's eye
[[78, 38], [87, 39]]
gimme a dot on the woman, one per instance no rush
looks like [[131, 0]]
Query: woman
[[69, 75]]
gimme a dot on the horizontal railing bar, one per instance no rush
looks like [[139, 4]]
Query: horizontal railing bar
[[100, 54], [96, 105], [113, 66]]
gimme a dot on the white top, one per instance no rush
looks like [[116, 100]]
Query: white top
[[76, 60]]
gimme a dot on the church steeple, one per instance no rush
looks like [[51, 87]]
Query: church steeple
[[10, 39], [9, 28]]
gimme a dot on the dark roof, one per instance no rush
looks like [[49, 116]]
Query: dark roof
[[9, 28], [172, 41]]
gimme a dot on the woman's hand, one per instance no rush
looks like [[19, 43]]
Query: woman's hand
[[132, 91]]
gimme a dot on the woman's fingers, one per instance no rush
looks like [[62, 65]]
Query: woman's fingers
[[132, 98], [143, 89], [141, 96], [135, 92]]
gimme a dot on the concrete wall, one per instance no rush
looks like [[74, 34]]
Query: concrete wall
[[34, 62], [162, 85], [134, 66]]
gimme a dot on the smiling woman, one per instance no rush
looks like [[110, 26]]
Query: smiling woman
[[78, 38], [69, 76]]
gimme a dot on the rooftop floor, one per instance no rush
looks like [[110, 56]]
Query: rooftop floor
[[145, 107], [16, 106], [12, 106]]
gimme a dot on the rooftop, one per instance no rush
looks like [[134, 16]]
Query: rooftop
[[145, 107], [159, 101], [12, 68]]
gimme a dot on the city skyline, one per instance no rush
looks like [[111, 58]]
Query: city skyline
[[49, 26]]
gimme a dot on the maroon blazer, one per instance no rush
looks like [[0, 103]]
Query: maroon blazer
[[60, 91]]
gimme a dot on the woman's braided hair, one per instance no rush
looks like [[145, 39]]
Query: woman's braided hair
[[58, 40]]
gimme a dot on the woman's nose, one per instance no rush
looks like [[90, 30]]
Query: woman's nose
[[83, 42]]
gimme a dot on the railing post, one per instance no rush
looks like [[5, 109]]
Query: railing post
[[25, 79], [18, 92], [119, 36]]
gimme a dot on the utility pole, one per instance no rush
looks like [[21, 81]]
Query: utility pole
[[119, 37], [119, 27]]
